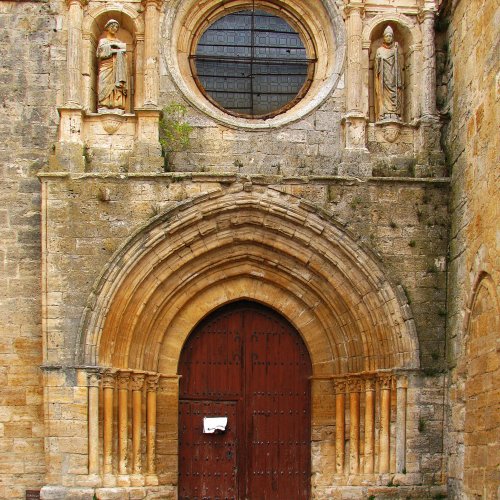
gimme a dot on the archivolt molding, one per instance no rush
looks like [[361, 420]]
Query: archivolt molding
[[261, 245]]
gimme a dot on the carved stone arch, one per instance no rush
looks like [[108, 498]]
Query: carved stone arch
[[409, 34], [264, 246], [132, 23]]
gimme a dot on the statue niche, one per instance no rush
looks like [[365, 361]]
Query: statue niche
[[112, 77], [388, 79]]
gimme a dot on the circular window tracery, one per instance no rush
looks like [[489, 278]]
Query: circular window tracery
[[251, 63], [321, 30]]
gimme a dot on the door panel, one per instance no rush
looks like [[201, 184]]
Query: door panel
[[248, 363]]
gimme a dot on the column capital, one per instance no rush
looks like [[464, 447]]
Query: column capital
[[123, 379], [137, 381], [385, 381], [93, 378], [108, 379], [340, 385], [152, 382], [370, 384], [354, 6], [81, 3], [354, 384], [149, 3], [426, 14]]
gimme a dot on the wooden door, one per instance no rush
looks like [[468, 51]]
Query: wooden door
[[247, 363]]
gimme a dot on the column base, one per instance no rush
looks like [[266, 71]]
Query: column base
[[151, 480], [123, 480], [137, 480], [109, 480]]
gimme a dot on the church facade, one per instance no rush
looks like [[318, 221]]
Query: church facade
[[250, 249]]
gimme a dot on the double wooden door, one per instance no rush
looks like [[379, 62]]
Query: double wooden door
[[246, 363]]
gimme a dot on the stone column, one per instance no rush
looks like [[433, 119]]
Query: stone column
[[151, 388], [354, 390], [340, 387], [151, 67], [369, 425], [429, 64], [402, 388], [74, 53], [354, 120], [385, 422], [139, 71], [136, 385], [123, 386], [108, 384], [93, 416]]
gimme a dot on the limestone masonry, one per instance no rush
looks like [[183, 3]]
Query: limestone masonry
[[337, 163]]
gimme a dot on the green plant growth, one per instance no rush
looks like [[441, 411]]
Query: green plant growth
[[421, 424], [174, 131]]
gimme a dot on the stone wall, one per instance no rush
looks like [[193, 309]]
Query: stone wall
[[472, 89], [30, 49]]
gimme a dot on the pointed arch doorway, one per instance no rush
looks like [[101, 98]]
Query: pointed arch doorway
[[247, 363]]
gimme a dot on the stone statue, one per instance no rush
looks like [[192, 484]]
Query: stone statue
[[112, 71], [388, 79]]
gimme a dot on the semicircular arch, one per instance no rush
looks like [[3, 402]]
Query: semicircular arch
[[261, 245]]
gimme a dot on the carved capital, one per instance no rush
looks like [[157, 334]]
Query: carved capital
[[137, 381], [108, 379], [426, 14], [385, 382], [93, 379], [80, 3], [340, 386], [354, 384], [370, 385], [152, 383], [122, 380], [354, 8], [152, 3]]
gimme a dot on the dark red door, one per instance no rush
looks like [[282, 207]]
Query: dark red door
[[247, 363]]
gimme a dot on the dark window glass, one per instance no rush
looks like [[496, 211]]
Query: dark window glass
[[252, 63]]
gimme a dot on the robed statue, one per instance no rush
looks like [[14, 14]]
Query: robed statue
[[388, 79], [112, 71]]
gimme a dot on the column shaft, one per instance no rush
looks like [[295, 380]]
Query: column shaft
[[429, 65], [93, 417], [137, 382], [74, 57], [354, 388], [369, 426], [354, 53], [385, 423], [108, 384], [401, 425], [151, 71], [340, 426], [151, 424], [123, 380]]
